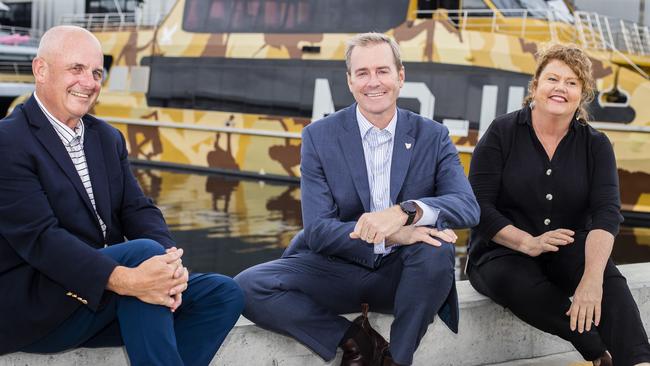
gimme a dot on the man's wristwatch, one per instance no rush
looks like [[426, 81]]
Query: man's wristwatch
[[411, 209]]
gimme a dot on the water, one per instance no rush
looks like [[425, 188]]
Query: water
[[226, 224]]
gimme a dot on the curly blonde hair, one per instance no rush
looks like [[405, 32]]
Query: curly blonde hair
[[578, 61]]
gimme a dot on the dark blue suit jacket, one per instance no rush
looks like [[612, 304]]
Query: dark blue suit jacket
[[49, 232], [335, 190]]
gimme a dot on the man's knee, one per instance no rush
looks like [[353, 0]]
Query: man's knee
[[429, 254], [231, 294], [433, 263], [140, 250], [258, 288], [252, 280], [223, 295], [134, 252]]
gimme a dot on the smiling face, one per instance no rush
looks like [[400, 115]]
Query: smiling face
[[68, 73], [375, 82], [558, 90]]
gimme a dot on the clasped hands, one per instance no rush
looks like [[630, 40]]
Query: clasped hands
[[160, 280], [388, 226]]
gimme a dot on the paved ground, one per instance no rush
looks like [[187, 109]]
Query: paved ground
[[563, 359]]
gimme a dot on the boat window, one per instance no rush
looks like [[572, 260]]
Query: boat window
[[561, 10], [287, 87], [477, 8], [426, 7], [18, 15], [293, 16], [513, 8], [474, 5], [111, 6]]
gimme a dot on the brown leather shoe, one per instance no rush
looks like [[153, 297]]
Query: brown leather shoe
[[378, 342], [388, 360], [357, 351], [604, 360], [367, 347]]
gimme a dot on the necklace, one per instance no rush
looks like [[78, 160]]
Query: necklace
[[549, 143]]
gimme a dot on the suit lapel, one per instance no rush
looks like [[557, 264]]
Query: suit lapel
[[47, 136], [403, 147], [97, 171], [350, 140]]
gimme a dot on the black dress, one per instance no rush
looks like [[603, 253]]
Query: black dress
[[516, 184]]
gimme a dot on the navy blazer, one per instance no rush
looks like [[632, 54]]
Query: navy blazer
[[49, 233], [335, 191]]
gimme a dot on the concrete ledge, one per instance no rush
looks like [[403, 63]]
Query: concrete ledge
[[488, 334]]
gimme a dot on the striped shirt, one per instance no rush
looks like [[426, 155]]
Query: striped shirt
[[378, 152], [73, 140]]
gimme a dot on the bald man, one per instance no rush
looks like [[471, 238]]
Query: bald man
[[68, 200]]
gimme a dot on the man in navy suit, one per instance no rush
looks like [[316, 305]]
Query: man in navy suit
[[381, 189], [68, 200]]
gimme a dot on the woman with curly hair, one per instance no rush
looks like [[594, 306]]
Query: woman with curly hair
[[547, 186]]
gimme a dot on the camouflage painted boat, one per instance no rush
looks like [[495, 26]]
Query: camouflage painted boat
[[227, 85]]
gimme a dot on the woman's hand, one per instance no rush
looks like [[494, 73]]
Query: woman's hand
[[585, 307], [547, 242]]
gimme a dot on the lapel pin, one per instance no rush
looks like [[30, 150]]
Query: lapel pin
[[408, 145]]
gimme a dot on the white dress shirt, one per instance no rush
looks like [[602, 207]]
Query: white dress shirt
[[73, 140], [378, 153]]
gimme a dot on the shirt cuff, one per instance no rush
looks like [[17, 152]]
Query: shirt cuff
[[429, 214], [381, 248]]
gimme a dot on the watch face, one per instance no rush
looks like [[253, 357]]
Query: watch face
[[409, 207]]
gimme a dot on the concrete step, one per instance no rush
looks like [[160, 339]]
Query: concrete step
[[488, 334], [560, 359]]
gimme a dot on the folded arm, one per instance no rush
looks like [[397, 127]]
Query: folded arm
[[485, 178]]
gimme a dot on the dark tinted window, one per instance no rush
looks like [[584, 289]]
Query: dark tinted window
[[18, 15], [286, 87], [474, 5], [111, 6], [283, 87], [293, 16]]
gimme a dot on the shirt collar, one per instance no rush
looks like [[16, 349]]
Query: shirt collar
[[365, 125], [66, 133], [527, 118]]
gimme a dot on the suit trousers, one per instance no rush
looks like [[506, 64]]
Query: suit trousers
[[301, 295], [537, 290], [152, 334]]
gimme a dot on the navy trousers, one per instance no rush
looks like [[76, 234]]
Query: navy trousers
[[537, 290], [152, 334], [302, 295]]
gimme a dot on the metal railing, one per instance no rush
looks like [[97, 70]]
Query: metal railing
[[18, 46], [525, 23], [19, 36], [592, 31], [16, 67], [99, 22], [605, 33]]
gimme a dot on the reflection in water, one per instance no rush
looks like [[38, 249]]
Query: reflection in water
[[227, 224]]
